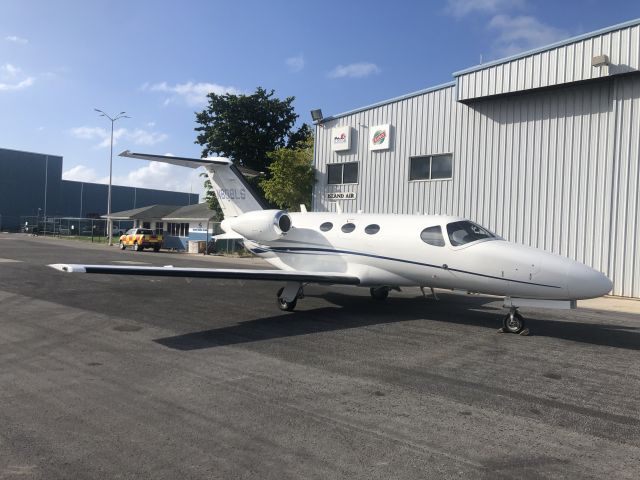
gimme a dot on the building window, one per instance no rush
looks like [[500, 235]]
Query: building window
[[146, 224], [431, 167], [159, 228], [339, 173], [178, 229]]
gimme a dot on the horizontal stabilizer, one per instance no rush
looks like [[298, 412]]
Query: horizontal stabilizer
[[180, 161], [240, 274]]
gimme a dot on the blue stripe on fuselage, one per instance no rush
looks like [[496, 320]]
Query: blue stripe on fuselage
[[312, 250]]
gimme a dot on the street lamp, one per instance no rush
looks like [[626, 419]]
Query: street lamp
[[113, 120]]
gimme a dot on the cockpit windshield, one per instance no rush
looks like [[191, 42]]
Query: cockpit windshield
[[463, 232]]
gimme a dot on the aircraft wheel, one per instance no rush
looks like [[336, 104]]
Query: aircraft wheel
[[283, 304], [513, 322], [122, 246], [379, 293]]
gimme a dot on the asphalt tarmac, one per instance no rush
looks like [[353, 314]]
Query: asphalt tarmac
[[164, 378]]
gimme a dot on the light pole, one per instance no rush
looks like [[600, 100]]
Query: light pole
[[113, 120]]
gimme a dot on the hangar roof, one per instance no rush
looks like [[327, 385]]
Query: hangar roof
[[151, 212], [199, 211], [169, 213]]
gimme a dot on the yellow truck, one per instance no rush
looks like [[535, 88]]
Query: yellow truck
[[141, 238]]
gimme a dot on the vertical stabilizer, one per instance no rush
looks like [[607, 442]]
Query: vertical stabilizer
[[234, 194]]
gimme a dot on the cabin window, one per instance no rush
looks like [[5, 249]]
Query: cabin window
[[372, 229], [433, 236], [463, 232], [348, 227], [340, 173], [431, 167], [326, 226]]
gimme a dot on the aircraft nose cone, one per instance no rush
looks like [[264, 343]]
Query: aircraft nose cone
[[585, 282]]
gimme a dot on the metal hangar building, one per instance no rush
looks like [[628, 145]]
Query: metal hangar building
[[31, 184], [543, 148]]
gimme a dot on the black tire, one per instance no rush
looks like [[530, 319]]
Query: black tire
[[156, 248], [379, 293], [122, 246], [137, 247], [513, 323], [283, 304]]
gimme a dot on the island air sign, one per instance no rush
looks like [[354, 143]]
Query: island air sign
[[333, 196], [340, 139], [379, 137]]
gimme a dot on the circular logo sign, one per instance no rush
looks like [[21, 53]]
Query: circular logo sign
[[379, 137]]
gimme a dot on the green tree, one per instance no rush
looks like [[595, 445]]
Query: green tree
[[245, 127], [211, 198], [291, 176], [299, 138]]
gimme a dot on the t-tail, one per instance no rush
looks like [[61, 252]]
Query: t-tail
[[234, 193]]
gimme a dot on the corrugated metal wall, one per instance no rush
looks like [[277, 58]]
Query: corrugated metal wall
[[566, 63], [555, 169], [420, 124]]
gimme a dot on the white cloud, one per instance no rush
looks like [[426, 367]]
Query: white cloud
[[519, 33], [155, 175], [354, 70], [11, 78], [461, 8], [295, 64], [190, 93], [164, 177], [81, 173], [136, 136], [9, 71], [16, 39]]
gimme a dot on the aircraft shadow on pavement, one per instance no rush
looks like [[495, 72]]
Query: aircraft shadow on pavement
[[350, 312]]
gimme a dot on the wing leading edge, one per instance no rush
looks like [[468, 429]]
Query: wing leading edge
[[240, 274]]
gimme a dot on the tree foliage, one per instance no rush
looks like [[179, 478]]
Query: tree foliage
[[245, 127], [291, 178], [211, 198]]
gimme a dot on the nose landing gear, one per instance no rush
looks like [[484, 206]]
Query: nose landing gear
[[514, 323]]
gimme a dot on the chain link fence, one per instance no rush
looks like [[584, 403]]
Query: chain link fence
[[95, 230], [92, 229]]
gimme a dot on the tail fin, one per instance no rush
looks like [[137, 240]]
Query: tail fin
[[234, 194]]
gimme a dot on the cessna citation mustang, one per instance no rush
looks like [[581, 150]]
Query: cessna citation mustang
[[381, 252]]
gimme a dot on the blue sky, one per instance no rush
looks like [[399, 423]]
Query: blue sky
[[157, 59]]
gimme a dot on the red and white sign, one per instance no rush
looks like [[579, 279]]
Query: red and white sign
[[340, 139], [380, 137]]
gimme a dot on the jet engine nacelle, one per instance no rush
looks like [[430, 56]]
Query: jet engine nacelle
[[261, 225]]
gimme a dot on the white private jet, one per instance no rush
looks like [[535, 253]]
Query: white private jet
[[381, 252]]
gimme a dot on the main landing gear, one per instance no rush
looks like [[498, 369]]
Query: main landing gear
[[379, 293], [288, 296], [514, 323]]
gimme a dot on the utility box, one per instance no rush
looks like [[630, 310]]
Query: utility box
[[197, 246]]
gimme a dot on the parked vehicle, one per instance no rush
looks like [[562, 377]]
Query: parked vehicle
[[141, 238]]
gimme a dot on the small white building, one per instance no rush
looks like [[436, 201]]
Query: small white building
[[543, 148]]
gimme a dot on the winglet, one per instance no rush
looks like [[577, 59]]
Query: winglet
[[63, 267]]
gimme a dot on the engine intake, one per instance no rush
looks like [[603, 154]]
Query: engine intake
[[262, 225]]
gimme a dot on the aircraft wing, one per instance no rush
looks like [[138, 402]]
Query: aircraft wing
[[240, 273]]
